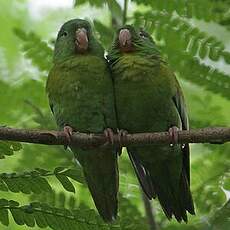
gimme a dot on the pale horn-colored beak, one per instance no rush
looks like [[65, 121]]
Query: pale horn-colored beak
[[125, 38], [81, 40]]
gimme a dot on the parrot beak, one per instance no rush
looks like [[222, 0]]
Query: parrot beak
[[125, 40], [81, 40]]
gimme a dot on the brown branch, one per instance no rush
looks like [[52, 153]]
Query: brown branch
[[149, 212], [205, 135]]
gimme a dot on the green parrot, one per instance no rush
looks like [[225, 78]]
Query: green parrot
[[149, 99], [81, 97]]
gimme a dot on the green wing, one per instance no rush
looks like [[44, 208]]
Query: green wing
[[179, 102]]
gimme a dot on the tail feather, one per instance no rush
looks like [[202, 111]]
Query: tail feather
[[187, 196], [142, 175], [105, 199], [160, 180], [174, 201], [101, 174]]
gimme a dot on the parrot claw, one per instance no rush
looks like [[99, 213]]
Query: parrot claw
[[173, 134], [109, 135], [69, 132], [121, 136]]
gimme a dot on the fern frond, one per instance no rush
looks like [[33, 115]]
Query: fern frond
[[7, 148], [130, 214], [35, 49], [44, 215], [36, 181], [56, 199], [190, 38], [182, 43], [220, 219], [200, 74], [105, 33], [209, 180], [205, 10]]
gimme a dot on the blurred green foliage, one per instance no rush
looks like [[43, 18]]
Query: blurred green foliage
[[37, 182]]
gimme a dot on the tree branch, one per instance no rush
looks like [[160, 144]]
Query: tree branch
[[125, 12], [149, 212], [216, 135]]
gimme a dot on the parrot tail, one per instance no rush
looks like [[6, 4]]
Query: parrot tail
[[142, 175], [101, 174], [174, 200]]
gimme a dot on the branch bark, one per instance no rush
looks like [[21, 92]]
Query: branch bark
[[217, 135]]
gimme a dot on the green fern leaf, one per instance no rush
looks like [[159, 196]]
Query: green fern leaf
[[35, 49], [181, 43], [35, 181], [7, 148], [44, 215], [4, 218], [67, 185], [56, 199], [203, 10], [105, 33]]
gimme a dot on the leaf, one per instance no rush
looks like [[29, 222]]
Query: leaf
[[57, 199], [8, 148], [130, 214], [181, 46], [75, 174], [45, 215], [35, 181], [105, 32], [18, 216], [35, 49], [4, 202], [116, 11], [3, 186], [220, 219], [40, 220], [43, 183], [190, 9], [10, 183], [65, 183], [28, 219], [4, 218]]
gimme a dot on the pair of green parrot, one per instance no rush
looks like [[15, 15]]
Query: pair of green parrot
[[133, 90]]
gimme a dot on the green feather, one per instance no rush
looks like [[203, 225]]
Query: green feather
[[80, 92], [149, 99]]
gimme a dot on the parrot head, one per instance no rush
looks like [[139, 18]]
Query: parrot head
[[75, 38], [128, 39]]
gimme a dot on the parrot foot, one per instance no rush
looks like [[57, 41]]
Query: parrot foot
[[122, 136], [173, 134], [68, 132], [108, 132]]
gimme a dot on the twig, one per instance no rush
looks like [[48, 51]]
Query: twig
[[149, 212], [206, 135], [125, 10]]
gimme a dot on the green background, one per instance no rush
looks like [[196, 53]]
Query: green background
[[194, 36]]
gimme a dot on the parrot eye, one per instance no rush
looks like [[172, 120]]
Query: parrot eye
[[64, 34], [143, 34]]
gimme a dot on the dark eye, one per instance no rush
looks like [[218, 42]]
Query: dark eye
[[142, 34], [64, 34]]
